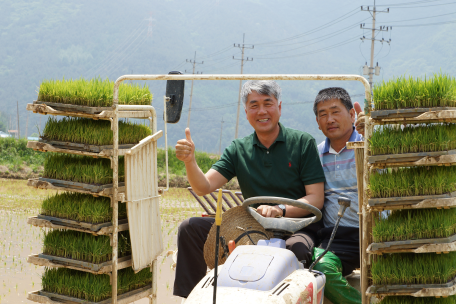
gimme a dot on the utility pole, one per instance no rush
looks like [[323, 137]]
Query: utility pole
[[242, 47], [26, 126], [371, 70], [221, 130], [191, 91], [18, 132]]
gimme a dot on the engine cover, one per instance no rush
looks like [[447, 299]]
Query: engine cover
[[257, 267]]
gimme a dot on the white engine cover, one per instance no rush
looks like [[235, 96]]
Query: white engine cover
[[300, 287]]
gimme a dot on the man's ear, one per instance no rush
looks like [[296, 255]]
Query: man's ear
[[352, 115], [316, 118]]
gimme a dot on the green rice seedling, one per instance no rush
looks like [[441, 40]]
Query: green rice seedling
[[402, 92], [92, 132], [91, 287], [93, 93], [83, 246], [81, 207], [412, 268], [415, 224], [411, 139], [417, 300], [412, 181], [81, 169]]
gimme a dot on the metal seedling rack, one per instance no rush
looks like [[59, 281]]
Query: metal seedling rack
[[370, 207], [140, 191]]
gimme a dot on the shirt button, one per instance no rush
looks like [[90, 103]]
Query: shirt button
[[337, 166], [267, 152]]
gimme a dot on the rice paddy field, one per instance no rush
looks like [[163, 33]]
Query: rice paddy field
[[18, 239], [92, 132], [438, 90], [93, 93], [411, 268], [403, 225], [412, 181], [394, 139]]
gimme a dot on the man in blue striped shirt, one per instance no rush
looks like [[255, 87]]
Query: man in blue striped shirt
[[335, 117]]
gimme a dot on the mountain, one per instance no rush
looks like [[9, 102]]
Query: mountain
[[55, 39]]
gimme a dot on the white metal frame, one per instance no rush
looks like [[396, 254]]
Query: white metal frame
[[115, 124]]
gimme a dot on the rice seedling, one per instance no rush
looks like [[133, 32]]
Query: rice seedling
[[412, 268], [81, 207], [415, 224], [402, 92], [92, 132], [412, 181], [411, 139], [93, 93], [83, 246], [90, 287], [417, 300], [82, 169]]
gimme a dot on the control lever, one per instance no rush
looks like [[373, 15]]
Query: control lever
[[344, 204]]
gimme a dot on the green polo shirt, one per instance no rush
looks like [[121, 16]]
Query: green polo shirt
[[283, 170]]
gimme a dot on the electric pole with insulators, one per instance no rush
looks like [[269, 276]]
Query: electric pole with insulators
[[371, 70], [242, 47], [191, 91], [221, 130]]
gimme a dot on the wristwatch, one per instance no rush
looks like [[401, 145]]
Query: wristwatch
[[283, 209]]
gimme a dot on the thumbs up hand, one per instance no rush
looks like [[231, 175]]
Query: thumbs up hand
[[359, 124], [185, 148]]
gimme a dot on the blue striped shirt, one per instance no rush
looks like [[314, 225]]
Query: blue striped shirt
[[340, 174]]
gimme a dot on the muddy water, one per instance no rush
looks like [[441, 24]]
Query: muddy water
[[17, 277]]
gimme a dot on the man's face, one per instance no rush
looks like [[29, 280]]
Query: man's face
[[334, 120], [263, 112]]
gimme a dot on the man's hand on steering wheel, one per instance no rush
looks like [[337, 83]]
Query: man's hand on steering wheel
[[270, 211]]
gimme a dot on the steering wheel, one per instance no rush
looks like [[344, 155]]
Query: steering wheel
[[287, 225]]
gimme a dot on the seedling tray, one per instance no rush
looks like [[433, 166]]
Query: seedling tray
[[76, 148], [438, 245], [60, 223], [53, 298], [44, 109], [414, 159], [55, 261], [74, 108], [418, 290], [408, 113], [445, 201]]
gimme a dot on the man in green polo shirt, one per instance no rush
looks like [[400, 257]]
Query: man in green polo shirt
[[272, 161]]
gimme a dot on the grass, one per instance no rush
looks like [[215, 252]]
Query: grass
[[81, 207], [412, 268], [399, 93], [15, 155], [412, 182], [90, 287], [415, 224], [82, 169], [203, 159], [411, 139], [93, 93], [92, 132], [83, 246], [417, 300]]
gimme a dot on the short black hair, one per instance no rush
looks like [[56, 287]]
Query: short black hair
[[333, 93]]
